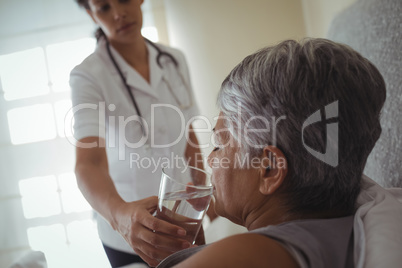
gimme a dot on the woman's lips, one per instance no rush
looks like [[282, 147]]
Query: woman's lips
[[125, 27]]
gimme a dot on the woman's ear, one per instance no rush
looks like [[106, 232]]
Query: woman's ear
[[273, 169]]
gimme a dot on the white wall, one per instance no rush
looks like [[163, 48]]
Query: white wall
[[318, 14], [216, 35], [156, 10]]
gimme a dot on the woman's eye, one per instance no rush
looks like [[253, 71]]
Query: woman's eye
[[215, 149], [104, 8]]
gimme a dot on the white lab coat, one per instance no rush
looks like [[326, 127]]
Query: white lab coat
[[103, 108]]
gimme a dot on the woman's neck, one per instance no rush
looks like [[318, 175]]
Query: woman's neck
[[136, 55], [274, 212], [269, 213]]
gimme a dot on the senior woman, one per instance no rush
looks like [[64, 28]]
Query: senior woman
[[297, 123]]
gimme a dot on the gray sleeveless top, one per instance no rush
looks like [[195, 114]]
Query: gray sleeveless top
[[314, 243]]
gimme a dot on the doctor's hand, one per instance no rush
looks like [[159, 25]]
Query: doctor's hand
[[151, 238]]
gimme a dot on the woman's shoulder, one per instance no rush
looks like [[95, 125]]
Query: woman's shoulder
[[91, 65], [243, 250], [330, 241]]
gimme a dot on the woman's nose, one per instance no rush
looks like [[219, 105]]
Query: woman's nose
[[119, 12]]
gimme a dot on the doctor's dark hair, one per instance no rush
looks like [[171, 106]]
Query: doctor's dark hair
[[293, 80], [99, 32]]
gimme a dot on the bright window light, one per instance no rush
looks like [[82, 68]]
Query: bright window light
[[40, 197], [42, 237], [63, 57], [52, 241], [71, 197], [84, 242], [150, 33], [64, 120], [23, 74], [31, 124]]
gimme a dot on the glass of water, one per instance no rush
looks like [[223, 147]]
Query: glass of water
[[184, 197]]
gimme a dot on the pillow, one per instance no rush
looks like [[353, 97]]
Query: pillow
[[378, 226], [32, 259]]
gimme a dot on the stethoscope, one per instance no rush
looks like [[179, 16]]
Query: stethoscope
[[160, 54]]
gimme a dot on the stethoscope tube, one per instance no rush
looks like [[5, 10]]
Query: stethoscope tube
[[160, 54], [137, 109]]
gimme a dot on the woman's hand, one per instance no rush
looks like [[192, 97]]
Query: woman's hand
[[151, 238]]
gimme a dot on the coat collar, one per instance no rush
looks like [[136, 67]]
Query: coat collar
[[133, 78]]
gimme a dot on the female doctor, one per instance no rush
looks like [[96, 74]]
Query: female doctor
[[132, 101]]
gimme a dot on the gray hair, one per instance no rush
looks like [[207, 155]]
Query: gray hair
[[293, 80]]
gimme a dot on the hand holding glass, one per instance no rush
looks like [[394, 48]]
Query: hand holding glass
[[184, 197]]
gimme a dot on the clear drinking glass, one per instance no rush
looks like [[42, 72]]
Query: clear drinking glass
[[184, 197]]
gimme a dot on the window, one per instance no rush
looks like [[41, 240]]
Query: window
[[48, 212], [42, 73], [40, 197], [63, 118], [65, 242], [63, 57], [23, 74], [31, 123], [57, 219]]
